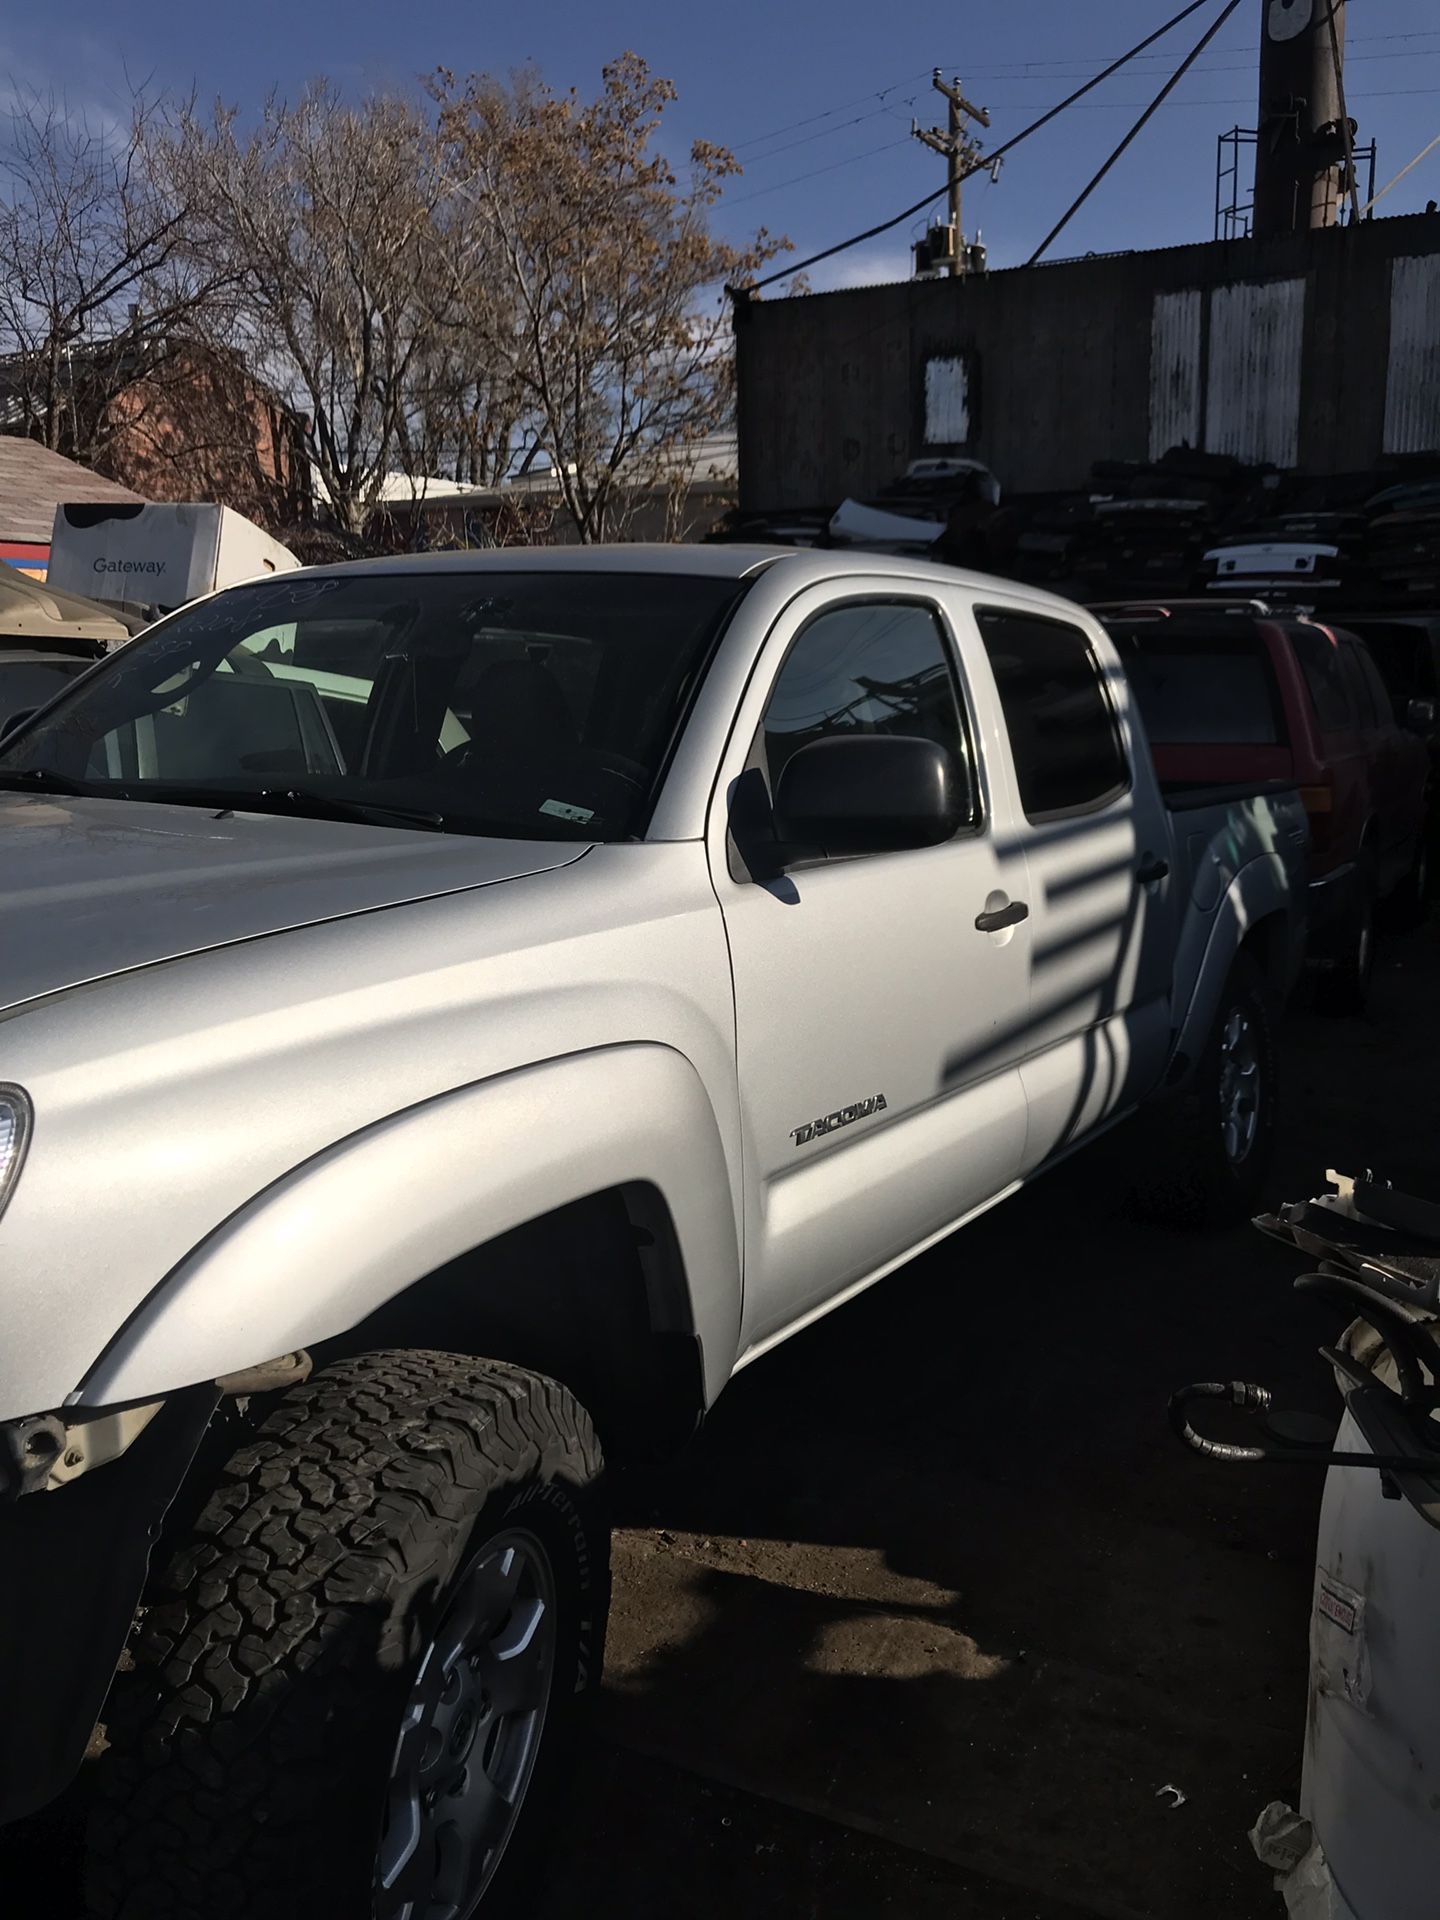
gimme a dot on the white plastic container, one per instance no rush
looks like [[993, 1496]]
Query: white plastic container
[[158, 555]]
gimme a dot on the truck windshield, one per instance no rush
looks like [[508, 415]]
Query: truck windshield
[[1200, 689], [538, 705]]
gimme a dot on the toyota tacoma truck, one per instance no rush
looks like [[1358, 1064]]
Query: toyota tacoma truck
[[458, 1011]]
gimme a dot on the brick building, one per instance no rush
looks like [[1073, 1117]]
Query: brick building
[[190, 424]]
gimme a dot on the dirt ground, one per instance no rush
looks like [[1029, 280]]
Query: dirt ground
[[935, 1608]]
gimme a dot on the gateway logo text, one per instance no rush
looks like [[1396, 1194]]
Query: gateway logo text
[[102, 565]]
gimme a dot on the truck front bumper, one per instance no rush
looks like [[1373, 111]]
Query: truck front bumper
[[73, 1562]]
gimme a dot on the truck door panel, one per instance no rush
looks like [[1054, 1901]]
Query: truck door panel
[[878, 1029], [1096, 839]]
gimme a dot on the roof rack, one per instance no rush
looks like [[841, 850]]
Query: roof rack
[[1161, 606]]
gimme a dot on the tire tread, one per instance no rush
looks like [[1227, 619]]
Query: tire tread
[[352, 1495]]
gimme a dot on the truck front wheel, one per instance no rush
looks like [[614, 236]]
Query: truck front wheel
[[1208, 1147], [354, 1682]]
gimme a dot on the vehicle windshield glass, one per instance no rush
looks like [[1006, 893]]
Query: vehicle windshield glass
[[538, 705], [1200, 689]]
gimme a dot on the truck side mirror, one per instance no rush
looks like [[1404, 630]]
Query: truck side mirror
[[1420, 717], [870, 793]]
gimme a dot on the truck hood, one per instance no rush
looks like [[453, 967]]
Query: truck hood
[[90, 888]]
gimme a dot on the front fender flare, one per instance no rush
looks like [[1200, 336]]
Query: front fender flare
[[332, 1241]]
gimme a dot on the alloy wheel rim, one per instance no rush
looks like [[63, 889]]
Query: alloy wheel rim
[[469, 1736], [1239, 1086]]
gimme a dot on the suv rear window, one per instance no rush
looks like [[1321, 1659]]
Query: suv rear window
[[1324, 673], [1201, 689]]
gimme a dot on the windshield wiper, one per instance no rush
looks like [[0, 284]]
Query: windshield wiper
[[41, 780], [327, 806], [299, 801]]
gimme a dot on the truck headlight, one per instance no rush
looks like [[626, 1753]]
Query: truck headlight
[[14, 1136]]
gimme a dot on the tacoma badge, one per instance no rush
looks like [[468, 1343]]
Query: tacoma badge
[[832, 1121]]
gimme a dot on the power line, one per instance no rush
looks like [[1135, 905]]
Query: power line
[[1038, 71], [1154, 107], [1410, 167], [1242, 100], [908, 213], [824, 133], [1229, 66], [850, 159], [759, 139], [1053, 69]]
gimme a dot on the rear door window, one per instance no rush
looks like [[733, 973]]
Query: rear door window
[[1063, 732], [1201, 689], [1325, 680]]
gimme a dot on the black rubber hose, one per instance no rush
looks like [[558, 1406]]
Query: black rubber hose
[[1236, 1393]]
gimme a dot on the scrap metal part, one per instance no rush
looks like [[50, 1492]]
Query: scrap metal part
[[75, 1568]]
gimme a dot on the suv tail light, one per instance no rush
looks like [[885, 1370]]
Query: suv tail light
[[1319, 805]]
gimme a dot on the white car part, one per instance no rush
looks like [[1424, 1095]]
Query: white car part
[[1285, 1841]]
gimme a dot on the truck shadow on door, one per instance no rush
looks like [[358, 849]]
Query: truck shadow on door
[[1081, 970]]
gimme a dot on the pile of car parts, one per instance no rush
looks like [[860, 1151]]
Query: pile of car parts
[[1362, 1844]]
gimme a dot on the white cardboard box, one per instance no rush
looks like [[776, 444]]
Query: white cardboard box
[[158, 555]]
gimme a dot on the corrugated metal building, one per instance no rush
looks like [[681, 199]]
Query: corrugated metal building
[[1316, 351]]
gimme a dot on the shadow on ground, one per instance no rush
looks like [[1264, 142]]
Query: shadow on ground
[[936, 1570]]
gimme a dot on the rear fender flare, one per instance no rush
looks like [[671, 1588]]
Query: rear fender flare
[[1258, 892], [332, 1241]]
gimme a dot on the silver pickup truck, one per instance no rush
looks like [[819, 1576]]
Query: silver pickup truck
[[453, 1008]]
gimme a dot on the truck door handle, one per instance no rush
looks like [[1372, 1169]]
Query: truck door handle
[[1152, 871], [1002, 917]]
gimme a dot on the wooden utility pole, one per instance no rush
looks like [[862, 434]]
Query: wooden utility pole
[[1304, 143], [963, 154]]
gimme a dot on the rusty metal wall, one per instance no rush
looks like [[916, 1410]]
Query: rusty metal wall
[[1175, 333], [1069, 364], [1252, 371], [1412, 386]]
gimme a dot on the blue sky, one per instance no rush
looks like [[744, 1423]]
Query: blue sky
[[816, 100]]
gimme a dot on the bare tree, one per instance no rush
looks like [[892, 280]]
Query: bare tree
[[619, 332], [462, 420], [322, 215], [97, 283]]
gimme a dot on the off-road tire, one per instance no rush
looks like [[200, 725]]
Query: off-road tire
[[251, 1745], [1186, 1177]]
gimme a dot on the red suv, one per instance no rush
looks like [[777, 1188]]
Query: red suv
[[1233, 694]]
